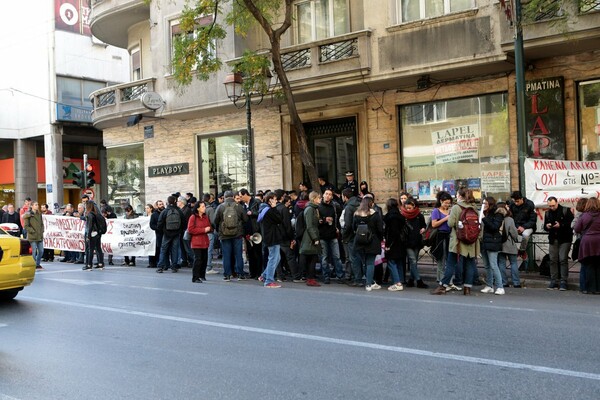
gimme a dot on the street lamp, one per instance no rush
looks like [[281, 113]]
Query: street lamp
[[234, 86]]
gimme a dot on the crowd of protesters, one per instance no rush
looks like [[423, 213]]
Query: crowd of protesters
[[321, 237]]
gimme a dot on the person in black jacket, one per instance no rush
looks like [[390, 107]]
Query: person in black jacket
[[557, 222], [272, 233], [368, 251], [414, 242], [253, 251], [491, 245], [351, 204], [169, 250], [523, 211], [329, 212], [395, 253], [284, 207]]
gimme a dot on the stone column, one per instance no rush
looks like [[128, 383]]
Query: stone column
[[25, 171], [54, 167]]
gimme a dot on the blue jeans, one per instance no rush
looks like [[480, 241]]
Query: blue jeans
[[456, 265], [397, 270], [413, 256], [492, 272], [369, 261], [330, 251], [355, 262], [169, 249], [187, 253], [232, 247], [211, 248], [37, 250], [514, 268], [272, 262]]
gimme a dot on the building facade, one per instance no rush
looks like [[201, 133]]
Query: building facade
[[410, 94], [49, 71]]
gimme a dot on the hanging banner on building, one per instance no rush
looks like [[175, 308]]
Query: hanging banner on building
[[124, 237], [545, 118], [73, 16], [456, 144], [568, 181]]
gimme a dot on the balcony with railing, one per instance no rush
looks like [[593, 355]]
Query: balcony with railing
[[329, 60], [111, 19], [113, 105]]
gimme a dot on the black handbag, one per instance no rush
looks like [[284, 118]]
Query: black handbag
[[575, 250]]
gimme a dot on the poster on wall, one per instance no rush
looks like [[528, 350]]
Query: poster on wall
[[545, 119], [475, 185], [412, 188], [425, 190], [456, 144], [448, 186], [566, 180], [495, 181]]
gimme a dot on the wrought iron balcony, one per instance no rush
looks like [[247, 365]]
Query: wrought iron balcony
[[114, 104]]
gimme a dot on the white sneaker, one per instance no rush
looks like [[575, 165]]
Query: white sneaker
[[487, 289], [396, 287], [368, 288], [499, 291], [212, 272], [457, 288], [375, 286]]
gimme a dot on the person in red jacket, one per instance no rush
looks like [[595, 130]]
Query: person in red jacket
[[198, 228]]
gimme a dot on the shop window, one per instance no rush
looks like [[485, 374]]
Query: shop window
[[414, 10], [126, 178], [454, 143], [224, 163], [589, 120], [321, 19]]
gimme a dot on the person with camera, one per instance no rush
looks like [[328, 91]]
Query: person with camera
[[557, 222]]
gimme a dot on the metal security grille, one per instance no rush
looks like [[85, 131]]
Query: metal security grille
[[339, 50], [296, 59]]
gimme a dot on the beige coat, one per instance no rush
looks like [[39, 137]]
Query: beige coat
[[467, 250]]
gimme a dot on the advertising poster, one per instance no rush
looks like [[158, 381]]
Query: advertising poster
[[456, 144], [425, 190], [412, 188], [449, 186]]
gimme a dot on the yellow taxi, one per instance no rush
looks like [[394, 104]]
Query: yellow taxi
[[17, 266]]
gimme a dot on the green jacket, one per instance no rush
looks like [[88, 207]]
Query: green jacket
[[311, 233], [34, 225], [470, 250]]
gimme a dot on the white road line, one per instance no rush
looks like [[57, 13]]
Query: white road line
[[325, 339], [60, 271], [7, 397], [83, 282]]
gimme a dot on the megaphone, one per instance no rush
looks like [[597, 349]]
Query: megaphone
[[255, 239]]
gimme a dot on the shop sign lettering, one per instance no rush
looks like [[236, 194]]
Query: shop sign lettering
[[545, 120], [169, 170]]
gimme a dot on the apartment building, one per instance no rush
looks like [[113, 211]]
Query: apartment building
[[51, 63], [412, 95]]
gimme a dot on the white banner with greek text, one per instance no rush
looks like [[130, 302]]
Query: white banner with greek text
[[566, 180], [124, 237]]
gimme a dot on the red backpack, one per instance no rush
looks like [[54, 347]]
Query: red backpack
[[471, 227]]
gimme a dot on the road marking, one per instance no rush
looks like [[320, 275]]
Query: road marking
[[82, 282], [325, 339], [60, 271], [3, 325], [7, 397]]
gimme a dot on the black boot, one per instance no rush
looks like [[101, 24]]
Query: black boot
[[422, 285]]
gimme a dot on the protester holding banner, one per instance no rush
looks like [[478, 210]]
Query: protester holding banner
[[93, 237], [198, 227], [129, 214], [153, 214]]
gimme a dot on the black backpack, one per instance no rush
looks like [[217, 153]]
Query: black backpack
[[363, 234], [172, 220], [300, 226], [100, 223]]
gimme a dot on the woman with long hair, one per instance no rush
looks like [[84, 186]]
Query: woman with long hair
[[395, 253], [414, 241], [129, 214], [491, 245], [579, 208], [460, 255], [153, 214], [198, 227], [439, 220], [588, 226], [510, 247], [93, 237], [310, 243], [365, 215]]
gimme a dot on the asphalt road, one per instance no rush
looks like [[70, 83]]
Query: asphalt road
[[129, 333]]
